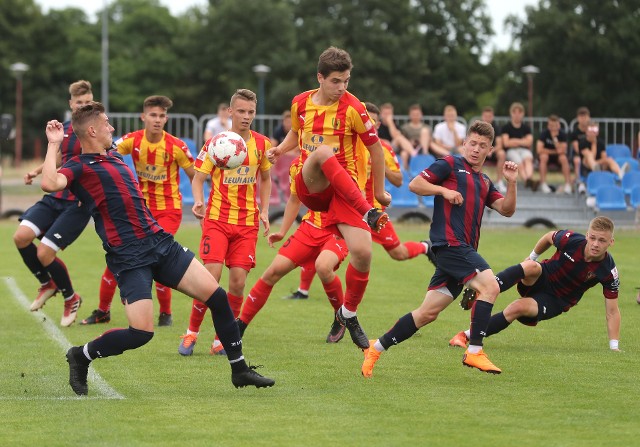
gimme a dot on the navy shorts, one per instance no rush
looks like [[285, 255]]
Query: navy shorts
[[137, 264], [549, 306], [60, 221], [456, 266]]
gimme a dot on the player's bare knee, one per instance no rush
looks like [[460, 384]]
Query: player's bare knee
[[422, 317], [46, 255], [531, 269], [324, 272], [21, 239]]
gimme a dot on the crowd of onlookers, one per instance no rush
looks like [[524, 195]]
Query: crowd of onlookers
[[574, 153]]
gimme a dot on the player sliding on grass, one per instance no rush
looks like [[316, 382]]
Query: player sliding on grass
[[461, 192], [138, 249], [553, 286], [326, 123]]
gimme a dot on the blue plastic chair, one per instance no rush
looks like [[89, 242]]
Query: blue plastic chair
[[418, 163], [635, 164], [634, 197], [191, 145], [185, 190], [401, 197], [610, 198], [598, 179], [618, 150], [630, 179]]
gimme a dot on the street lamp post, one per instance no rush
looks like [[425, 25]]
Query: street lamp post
[[261, 71], [18, 69], [530, 71]]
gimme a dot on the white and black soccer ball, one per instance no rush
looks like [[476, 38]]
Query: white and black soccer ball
[[227, 150]]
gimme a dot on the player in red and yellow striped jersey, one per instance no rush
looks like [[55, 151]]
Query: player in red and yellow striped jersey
[[230, 222], [158, 157], [326, 125], [312, 246]]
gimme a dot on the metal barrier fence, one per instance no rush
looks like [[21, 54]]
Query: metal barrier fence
[[188, 126]]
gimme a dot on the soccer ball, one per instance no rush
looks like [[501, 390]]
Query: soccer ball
[[227, 150]]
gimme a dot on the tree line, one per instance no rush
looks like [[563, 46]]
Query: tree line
[[430, 52]]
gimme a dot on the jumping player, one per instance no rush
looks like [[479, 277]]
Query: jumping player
[[158, 157], [230, 224], [137, 249], [327, 123], [553, 286], [461, 193], [57, 219]]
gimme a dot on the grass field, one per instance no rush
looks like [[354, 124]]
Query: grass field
[[561, 386]]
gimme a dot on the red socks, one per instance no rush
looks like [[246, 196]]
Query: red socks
[[164, 298], [415, 249], [356, 284], [108, 285], [198, 310], [256, 298], [344, 185], [307, 272], [334, 293]]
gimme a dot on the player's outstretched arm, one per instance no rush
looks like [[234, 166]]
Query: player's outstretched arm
[[290, 142], [542, 245], [613, 323], [419, 185], [377, 172], [52, 180], [507, 206]]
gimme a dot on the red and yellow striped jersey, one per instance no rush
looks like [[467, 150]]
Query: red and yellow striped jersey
[[316, 218], [158, 167], [233, 193], [365, 180], [338, 125]]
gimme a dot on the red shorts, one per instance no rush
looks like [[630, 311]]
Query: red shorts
[[169, 220], [387, 237], [338, 209], [304, 246], [235, 245]]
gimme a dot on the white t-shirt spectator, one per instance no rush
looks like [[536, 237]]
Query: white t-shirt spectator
[[442, 133]]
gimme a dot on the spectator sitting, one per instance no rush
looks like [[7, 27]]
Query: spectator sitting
[[517, 140], [389, 131], [594, 154], [419, 135], [578, 137], [450, 133], [552, 143], [283, 128], [498, 154], [218, 124]]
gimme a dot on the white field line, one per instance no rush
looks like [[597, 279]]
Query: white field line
[[56, 334]]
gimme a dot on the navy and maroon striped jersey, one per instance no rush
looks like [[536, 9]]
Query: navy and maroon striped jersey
[[456, 225], [108, 187], [570, 275], [69, 148]]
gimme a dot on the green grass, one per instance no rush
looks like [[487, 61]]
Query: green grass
[[560, 386]]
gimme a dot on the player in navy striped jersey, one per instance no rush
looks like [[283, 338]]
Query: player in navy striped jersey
[[553, 286], [138, 250], [57, 219], [461, 193]]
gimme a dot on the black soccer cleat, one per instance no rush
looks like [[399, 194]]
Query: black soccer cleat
[[250, 377], [165, 319], [431, 256], [297, 295], [355, 330], [337, 332], [97, 316], [78, 371], [468, 298], [376, 219], [242, 326]]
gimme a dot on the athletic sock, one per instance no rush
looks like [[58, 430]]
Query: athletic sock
[[108, 286], [58, 272], [164, 298], [497, 323], [256, 298], [404, 328], [356, 283], [509, 277], [334, 292], [415, 249], [344, 185], [116, 341], [306, 277], [480, 316], [226, 327], [235, 302], [30, 258], [198, 310]]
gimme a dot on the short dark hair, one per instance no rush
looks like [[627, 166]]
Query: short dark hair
[[158, 101], [553, 117], [583, 111], [372, 108], [334, 59], [82, 115], [487, 109], [483, 129]]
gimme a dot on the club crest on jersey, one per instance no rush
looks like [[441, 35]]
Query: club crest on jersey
[[590, 275], [486, 181], [336, 123]]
